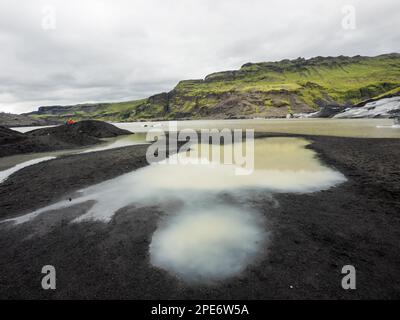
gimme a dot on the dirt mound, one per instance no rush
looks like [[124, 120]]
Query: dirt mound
[[9, 136], [80, 134], [13, 142], [99, 129], [82, 129]]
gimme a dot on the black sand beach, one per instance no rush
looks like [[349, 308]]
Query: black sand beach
[[314, 235], [77, 135]]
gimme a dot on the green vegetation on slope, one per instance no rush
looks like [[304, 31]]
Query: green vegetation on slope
[[267, 89]]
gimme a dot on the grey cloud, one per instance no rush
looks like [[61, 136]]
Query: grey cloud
[[120, 50]]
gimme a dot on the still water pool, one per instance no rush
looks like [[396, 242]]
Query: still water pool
[[206, 238]]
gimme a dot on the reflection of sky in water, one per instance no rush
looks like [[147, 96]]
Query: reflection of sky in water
[[208, 244], [206, 237], [281, 165]]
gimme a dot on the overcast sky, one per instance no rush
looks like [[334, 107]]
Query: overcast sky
[[65, 52]]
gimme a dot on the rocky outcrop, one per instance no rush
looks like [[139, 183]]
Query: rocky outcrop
[[68, 110], [327, 111], [17, 120]]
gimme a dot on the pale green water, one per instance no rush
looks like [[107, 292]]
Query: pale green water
[[203, 236], [362, 128]]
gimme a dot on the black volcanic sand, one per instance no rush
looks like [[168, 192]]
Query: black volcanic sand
[[313, 235], [80, 134]]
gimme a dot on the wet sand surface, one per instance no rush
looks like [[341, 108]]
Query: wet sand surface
[[313, 235]]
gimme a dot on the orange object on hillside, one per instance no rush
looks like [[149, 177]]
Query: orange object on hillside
[[70, 121]]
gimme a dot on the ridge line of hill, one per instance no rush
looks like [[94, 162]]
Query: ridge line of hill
[[264, 89]]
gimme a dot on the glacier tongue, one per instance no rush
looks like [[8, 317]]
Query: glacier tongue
[[383, 108]]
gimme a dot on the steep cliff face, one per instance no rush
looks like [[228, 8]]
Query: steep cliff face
[[267, 89], [62, 110]]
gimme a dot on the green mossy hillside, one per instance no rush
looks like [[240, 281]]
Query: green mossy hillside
[[266, 89]]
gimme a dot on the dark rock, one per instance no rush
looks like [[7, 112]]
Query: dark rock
[[328, 111]]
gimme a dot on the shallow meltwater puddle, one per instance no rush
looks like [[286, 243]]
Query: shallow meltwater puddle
[[208, 244], [281, 165], [206, 239]]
